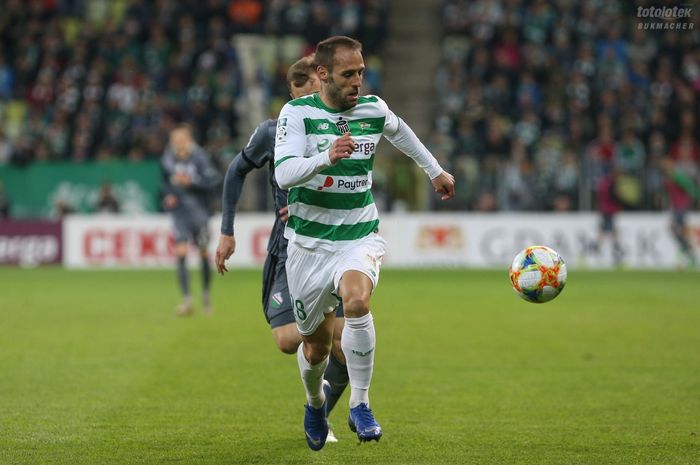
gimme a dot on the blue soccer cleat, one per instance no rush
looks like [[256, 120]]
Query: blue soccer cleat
[[315, 426], [362, 422]]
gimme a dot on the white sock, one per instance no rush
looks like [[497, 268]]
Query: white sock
[[358, 343], [312, 378]]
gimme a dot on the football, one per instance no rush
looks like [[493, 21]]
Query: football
[[538, 274]]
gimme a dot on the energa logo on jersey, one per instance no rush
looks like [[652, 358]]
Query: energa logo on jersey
[[365, 148]]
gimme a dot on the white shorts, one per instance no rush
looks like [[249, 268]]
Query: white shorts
[[313, 276]]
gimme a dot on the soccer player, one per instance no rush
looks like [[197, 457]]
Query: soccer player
[[301, 80], [609, 206], [682, 191], [324, 151], [189, 181]]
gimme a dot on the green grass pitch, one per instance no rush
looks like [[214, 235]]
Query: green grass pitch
[[96, 369]]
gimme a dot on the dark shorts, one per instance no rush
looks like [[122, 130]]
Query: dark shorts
[[277, 305], [189, 229], [607, 224], [678, 219]]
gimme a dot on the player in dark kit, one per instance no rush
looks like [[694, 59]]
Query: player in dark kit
[[302, 80], [189, 182]]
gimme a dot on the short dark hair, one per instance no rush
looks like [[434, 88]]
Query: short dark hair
[[325, 50], [182, 126], [300, 71]]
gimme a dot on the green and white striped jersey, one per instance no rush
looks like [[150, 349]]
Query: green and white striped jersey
[[330, 205]]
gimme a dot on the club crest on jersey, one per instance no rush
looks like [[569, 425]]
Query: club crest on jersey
[[342, 126], [277, 300]]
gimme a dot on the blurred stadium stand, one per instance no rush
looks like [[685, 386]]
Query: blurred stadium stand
[[536, 101], [529, 102], [85, 81]]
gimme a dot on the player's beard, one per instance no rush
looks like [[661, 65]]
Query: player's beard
[[335, 94]]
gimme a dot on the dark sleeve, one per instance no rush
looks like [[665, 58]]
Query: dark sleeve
[[233, 184], [209, 177], [260, 148], [166, 169]]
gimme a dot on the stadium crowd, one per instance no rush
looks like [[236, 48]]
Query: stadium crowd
[[537, 102], [104, 79]]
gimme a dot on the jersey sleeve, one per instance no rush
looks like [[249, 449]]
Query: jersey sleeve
[[391, 121], [233, 184], [166, 166], [260, 148], [208, 176], [292, 167], [403, 138]]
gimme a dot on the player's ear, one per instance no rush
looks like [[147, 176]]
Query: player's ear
[[322, 72]]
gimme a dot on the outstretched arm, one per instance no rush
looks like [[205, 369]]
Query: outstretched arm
[[256, 154], [233, 185], [404, 139]]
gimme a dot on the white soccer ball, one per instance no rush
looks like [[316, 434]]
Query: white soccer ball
[[538, 274]]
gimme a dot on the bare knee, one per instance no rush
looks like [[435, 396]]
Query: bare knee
[[356, 305], [316, 353], [287, 338], [286, 346], [181, 249]]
